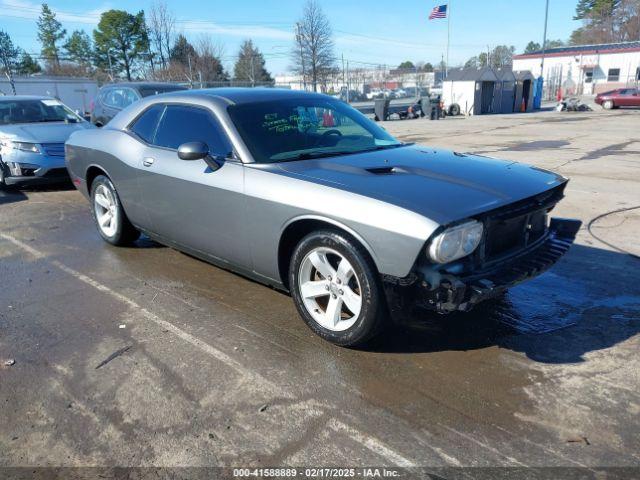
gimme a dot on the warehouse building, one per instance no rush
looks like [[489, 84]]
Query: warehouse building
[[584, 69]]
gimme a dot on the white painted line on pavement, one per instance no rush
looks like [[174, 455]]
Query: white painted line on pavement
[[371, 443], [187, 337]]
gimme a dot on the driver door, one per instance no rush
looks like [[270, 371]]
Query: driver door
[[188, 203]]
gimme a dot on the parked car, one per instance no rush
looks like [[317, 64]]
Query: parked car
[[115, 97], [354, 96], [375, 93], [302, 192], [400, 93], [33, 130], [622, 97]]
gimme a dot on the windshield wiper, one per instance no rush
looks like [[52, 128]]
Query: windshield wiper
[[387, 147], [336, 153]]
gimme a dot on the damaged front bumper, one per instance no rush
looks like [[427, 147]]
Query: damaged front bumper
[[450, 293]]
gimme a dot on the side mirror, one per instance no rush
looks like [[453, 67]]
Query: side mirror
[[193, 151]]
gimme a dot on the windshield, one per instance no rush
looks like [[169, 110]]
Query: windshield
[[35, 111], [305, 128], [148, 91]]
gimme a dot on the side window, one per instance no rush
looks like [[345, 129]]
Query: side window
[[128, 97], [104, 95], [145, 125], [181, 124], [118, 97]]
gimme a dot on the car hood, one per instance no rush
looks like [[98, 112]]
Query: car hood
[[46, 132], [442, 185]]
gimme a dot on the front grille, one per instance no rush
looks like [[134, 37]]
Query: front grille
[[516, 227], [505, 236], [53, 149]]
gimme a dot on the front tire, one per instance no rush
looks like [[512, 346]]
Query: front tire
[[3, 184], [336, 288], [608, 105], [111, 220]]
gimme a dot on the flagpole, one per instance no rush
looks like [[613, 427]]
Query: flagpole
[[446, 69]]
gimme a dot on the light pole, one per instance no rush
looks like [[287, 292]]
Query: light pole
[[544, 39]]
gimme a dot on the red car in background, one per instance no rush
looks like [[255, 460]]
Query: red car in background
[[622, 97]]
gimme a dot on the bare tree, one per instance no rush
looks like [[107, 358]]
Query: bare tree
[[313, 52], [208, 63], [161, 30]]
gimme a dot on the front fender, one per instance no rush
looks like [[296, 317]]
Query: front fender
[[336, 224]]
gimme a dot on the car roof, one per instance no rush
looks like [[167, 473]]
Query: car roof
[[217, 97], [25, 97], [143, 84], [239, 96]]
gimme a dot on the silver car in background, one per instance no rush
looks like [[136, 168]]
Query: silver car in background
[[33, 130], [302, 192]]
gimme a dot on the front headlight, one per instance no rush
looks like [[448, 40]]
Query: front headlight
[[24, 146], [455, 242]]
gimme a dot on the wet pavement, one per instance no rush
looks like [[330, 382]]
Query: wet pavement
[[145, 356]]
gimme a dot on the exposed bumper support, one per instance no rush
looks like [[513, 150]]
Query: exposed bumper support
[[461, 293], [56, 176]]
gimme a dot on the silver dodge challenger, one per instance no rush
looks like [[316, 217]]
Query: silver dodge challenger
[[301, 192]]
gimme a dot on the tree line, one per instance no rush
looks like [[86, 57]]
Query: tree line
[[131, 46]]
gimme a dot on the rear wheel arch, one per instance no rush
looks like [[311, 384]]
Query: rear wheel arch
[[299, 228], [93, 172]]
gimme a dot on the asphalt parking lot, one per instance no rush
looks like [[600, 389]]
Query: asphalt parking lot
[[147, 357]]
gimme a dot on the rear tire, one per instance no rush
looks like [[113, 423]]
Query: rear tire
[[608, 105], [454, 110], [110, 218], [336, 288]]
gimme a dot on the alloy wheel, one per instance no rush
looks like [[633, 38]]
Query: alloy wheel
[[330, 289], [106, 210]]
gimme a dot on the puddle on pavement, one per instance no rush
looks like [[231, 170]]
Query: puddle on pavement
[[553, 318], [544, 305]]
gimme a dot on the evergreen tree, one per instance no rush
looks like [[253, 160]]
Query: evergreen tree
[[406, 65], [182, 51], [250, 66], [79, 48], [50, 32], [532, 47], [120, 41], [27, 65]]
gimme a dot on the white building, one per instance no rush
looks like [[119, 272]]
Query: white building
[[584, 69], [75, 92]]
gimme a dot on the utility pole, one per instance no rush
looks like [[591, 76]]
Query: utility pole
[[544, 38], [343, 81], [190, 73], [300, 39], [348, 99], [446, 67]]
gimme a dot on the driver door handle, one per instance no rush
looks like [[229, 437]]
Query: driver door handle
[[147, 161]]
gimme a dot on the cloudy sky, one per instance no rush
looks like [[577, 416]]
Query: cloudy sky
[[366, 32]]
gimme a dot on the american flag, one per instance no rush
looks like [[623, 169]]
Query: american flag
[[438, 12]]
